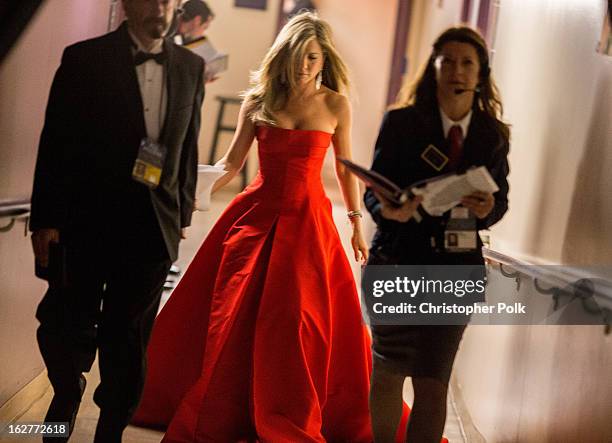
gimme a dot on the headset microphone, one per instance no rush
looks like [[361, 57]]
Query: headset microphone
[[461, 90]]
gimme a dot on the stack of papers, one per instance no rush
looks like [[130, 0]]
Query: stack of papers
[[216, 62], [445, 193]]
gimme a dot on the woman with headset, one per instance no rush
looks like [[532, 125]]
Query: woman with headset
[[449, 120]]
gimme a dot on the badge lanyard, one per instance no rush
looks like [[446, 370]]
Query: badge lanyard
[[149, 164]]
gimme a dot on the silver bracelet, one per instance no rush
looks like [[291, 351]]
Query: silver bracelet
[[352, 214]]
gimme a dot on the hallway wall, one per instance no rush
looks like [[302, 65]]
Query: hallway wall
[[25, 79], [557, 94]]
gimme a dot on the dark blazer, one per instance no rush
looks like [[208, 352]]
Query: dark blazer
[[93, 127], [403, 136]]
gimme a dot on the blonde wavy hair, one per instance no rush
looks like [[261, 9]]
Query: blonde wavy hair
[[277, 74]]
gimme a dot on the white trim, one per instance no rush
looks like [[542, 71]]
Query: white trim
[[23, 400]]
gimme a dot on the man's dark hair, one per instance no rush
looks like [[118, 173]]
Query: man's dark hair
[[194, 8]]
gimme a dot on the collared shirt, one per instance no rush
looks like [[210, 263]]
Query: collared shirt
[[153, 89], [447, 123]]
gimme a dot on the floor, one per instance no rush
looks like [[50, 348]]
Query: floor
[[201, 224]]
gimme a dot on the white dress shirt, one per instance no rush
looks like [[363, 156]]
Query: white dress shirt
[[447, 123], [153, 89]]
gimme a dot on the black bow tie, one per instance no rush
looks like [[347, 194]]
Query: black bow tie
[[141, 57]]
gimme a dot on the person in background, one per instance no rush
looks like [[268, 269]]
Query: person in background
[[113, 193], [194, 20], [453, 106]]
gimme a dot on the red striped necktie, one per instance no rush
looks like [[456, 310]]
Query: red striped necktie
[[455, 141]]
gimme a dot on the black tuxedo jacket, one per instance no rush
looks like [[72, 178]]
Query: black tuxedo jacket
[[405, 133], [94, 123]]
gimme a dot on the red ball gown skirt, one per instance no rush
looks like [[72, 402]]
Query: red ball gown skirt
[[263, 339]]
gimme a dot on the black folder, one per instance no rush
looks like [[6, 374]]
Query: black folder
[[379, 183]]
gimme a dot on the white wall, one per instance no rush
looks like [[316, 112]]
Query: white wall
[[557, 96]]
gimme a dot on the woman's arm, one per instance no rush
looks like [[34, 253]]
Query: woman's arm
[[233, 160], [346, 180]]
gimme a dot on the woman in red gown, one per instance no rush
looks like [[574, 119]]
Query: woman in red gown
[[263, 338]]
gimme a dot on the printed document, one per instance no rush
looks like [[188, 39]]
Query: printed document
[[445, 193]]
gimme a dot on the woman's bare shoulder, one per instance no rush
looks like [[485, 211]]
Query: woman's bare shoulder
[[248, 105], [336, 102]]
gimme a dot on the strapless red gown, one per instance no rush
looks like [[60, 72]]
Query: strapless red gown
[[263, 338]]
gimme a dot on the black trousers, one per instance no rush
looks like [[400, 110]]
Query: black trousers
[[108, 303]]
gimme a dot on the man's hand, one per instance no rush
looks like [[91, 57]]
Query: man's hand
[[398, 213], [480, 203], [183, 233], [40, 244]]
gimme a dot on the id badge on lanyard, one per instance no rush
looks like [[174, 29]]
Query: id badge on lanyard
[[460, 233], [149, 164]]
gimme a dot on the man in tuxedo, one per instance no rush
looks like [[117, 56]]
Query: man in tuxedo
[[113, 191]]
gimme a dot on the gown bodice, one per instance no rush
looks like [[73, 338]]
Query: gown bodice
[[290, 166]]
